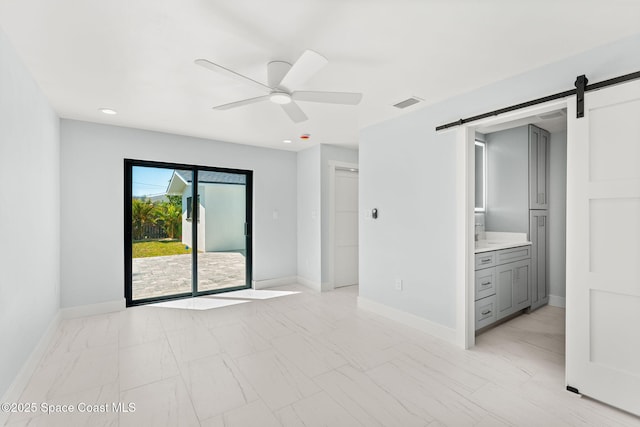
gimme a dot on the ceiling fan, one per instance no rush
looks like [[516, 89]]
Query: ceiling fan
[[282, 79]]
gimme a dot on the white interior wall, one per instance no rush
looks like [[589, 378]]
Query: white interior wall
[[557, 215], [29, 214], [92, 197], [309, 227], [415, 235], [508, 181]]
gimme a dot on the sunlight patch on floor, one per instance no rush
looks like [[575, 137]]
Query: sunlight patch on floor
[[254, 294], [200, 303]]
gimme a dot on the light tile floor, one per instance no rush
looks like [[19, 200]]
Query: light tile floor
[[305, 359]]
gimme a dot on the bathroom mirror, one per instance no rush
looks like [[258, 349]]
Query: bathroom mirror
[[481, 163]]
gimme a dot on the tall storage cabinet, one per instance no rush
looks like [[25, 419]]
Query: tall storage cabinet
[[539, 164], [539, 236], [539, 150], [518, 185]]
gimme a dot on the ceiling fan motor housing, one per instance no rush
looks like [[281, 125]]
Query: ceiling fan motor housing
[[276, 70]]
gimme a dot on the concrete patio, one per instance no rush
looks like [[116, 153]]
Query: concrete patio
[[167, 275]]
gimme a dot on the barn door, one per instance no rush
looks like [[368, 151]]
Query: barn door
[[603, 247]]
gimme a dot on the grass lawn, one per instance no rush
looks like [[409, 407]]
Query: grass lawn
[[159, 248]]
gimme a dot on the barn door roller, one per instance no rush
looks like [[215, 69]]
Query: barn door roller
[[581, 85]]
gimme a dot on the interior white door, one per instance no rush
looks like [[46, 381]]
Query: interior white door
[[345, 271], [603, 247]]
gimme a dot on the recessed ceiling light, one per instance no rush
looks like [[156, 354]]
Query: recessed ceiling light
[[352, 170], [287, 141], [108, 111]]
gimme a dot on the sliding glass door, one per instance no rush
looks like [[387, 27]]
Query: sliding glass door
[[187, 230]]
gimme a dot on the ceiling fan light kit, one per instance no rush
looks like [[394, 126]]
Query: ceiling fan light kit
[[281, 78], [280, 98]]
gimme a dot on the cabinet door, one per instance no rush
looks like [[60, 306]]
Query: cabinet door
[[539, 148], [521, 294], [504, 290], [538, 232], [512, 287], [544, 149], [534, 142]]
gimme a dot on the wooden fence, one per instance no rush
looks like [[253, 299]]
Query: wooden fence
[[153, 232]]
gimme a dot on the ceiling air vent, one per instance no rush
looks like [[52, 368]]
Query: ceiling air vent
[[407, 102]]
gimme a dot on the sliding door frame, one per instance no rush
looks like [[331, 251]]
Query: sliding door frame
[[129, 164]]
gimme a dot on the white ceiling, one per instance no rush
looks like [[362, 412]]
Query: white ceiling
[[136, 56]]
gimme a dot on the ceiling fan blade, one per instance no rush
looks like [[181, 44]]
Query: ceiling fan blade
[[346, 98], [306, 66], [241, 103], [294, 112], [230, 73]]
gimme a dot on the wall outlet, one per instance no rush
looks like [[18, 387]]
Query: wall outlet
[[398, 285]]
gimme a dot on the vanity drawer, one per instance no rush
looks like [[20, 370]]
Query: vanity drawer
[[485, 312], [513, 254], [485, 259], [485, 283]]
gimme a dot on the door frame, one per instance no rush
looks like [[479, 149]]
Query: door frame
[[333, 166], [465, 206], [128, 231]]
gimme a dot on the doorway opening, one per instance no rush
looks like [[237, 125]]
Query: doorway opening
[[514, 250], [187, 230]]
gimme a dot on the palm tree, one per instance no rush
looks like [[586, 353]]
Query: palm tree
[[170, 215], [142, 213]]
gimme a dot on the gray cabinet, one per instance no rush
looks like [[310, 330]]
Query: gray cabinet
[[539, 235], [512, 288], [485, 283], [502, 284], [539, 150], [485, 259], [485, 311]]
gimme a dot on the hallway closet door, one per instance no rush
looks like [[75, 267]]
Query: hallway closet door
[[346, 228]]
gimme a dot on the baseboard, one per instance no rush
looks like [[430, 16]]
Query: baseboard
[[30, 365], [316, 286], [93, 309], [557, 301], [272, 283], [326, 286], [422, 324]]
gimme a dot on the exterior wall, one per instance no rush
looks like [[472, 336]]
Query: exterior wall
[[92, 266], [186, 225], [187, 237], [29, 215], [225, 217]]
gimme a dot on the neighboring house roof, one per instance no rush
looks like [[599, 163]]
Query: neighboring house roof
[[180, 179]]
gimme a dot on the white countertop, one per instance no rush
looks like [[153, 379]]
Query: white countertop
[[494, 241]]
